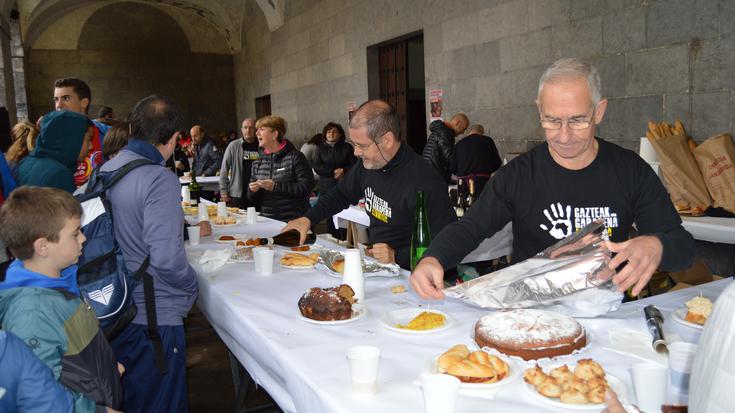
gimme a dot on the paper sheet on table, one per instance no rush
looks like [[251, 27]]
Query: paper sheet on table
[[636, 343], [213, 259]]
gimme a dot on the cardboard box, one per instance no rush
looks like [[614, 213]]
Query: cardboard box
[[697, 274]]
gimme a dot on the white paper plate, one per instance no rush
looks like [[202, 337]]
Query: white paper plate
[[223, 225], [358, 312], [391, 319], [235, 259], [615, 384], [679, 316]]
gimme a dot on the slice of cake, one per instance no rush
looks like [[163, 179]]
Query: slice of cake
[[328, 304], [698, 310]]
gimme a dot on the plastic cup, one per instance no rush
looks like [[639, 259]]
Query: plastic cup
[[185, 194], [252, 215], [681, 360], [263, 258], [202, 212], [650, 381], [193, 231], [364, 362], [256, 261], [221, 209], [440, 393]]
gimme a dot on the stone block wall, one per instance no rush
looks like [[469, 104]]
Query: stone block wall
[[658, 59]]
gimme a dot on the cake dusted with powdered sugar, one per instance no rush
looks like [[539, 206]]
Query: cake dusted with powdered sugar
[[530, 334]]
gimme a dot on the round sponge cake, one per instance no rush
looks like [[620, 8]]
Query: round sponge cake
[[530, 334]]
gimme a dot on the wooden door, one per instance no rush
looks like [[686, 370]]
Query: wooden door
[[393, 79]]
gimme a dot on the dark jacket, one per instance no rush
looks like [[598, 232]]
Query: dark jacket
[[475, 154], [54, 160], [207, 158], [293, 183], [48, 315], [327, 159], [439, 148]]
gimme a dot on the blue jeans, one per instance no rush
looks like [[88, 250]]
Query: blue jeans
[[144, 387]]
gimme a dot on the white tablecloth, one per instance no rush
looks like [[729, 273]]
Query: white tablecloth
[[303, 365], [711, 229], [208, 183], [498, 245]]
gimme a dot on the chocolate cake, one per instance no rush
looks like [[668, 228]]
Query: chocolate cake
[[530, 334], [328, 304]]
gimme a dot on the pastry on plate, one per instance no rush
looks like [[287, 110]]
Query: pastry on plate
[[698, 310]]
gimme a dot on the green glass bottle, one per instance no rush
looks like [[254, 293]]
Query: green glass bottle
[[421, 237], [194, 188]]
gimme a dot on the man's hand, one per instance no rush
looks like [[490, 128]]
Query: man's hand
[[267, 184], [205, 229], [339, 173], [643, 255], [120, 369], [382, 252], [427, 279], [299, 224], [225, 198], [254, 186]]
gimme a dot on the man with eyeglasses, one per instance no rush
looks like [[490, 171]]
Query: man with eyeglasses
[[560, 186], [388, 178]]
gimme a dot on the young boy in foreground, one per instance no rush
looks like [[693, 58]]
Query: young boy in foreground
[[40, 301]]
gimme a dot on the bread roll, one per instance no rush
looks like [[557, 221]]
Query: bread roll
[[339, 266], [468, 371]]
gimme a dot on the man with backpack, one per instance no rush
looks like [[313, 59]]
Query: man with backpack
[[148, 224]]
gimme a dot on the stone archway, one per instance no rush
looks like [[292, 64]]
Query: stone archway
[[128, 50]]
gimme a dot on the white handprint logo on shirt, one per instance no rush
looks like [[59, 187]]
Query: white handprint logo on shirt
[[368, 199], [561, 222]]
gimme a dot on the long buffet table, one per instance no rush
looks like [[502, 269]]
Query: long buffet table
[[303, 365]]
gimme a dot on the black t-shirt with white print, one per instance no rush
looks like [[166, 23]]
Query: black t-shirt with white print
[[390, 200], [547, 202]]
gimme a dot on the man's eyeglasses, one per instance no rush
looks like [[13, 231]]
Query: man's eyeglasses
[[363, 146], [578, 123]]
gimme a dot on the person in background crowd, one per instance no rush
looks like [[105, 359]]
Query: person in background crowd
[[207, 155], [64, 140], [309, 148], [182, 155], [40, 301], [115, 139], [26, 384], [105, 115], [234, 176], [439, 148], [281, 179], [24, 136], [332, 160], [74, 95], [146, 204], [560, 186], [475, 157], [388, 177]]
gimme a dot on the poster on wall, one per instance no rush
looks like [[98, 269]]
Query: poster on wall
[[351, 107], [435, 100]]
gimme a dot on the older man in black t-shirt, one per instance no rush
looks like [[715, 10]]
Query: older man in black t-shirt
[[560, 186], [388, 176]]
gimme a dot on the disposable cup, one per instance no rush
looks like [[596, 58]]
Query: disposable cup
[[650, 381], [194, 232], [681, 360], [185, 194], [256, 261], [364, 362], [440, 393], [252, 215], [202, 212], [221, 209]]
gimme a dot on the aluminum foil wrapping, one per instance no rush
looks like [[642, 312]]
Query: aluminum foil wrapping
[[370, 268], [572, 265]]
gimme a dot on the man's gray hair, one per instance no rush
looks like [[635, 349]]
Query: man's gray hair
[[570, 67]]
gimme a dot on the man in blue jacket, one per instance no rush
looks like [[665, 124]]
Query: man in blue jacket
[[146, 205]]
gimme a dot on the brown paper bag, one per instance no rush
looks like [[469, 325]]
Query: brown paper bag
[[681, 174], [715, 158]]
